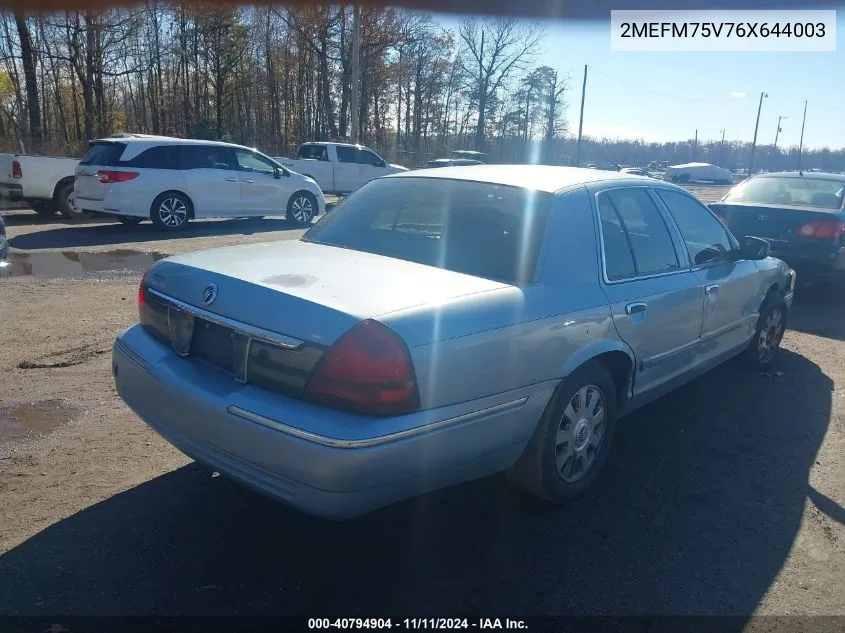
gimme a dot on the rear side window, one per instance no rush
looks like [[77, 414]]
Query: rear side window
[[481, 229], [637, 241], [162, 157], [346, 154], [105, 154], [314, 152]]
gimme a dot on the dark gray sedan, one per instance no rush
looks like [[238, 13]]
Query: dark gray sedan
[[443, 325]]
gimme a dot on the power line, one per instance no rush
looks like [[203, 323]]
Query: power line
[[654, 92]]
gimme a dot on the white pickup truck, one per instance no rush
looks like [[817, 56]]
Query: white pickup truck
[[338, 168], [44, 182]]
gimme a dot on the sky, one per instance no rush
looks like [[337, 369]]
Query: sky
[[659, 96]]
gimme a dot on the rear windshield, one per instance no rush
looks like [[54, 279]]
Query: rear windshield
[[789, 190], [107, 154], [480, 229]]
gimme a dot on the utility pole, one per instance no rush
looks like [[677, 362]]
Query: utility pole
[[694, 146], [722, 148], [775, 146], [581, 120], [763, 95], [355, 104], [801, 142]]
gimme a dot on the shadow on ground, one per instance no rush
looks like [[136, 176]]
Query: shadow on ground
[[103, 234], [697, 513]]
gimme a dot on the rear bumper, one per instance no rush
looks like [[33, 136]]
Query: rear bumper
[[11, 192], [279, 446], [80, 204], [816, 265]]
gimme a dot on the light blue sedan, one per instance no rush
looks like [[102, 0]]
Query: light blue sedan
[[440, 326]]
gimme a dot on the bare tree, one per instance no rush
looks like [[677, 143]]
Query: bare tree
[[496, 48], [33, 105]]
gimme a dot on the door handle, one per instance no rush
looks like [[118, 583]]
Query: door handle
[[635, 308], [247, 180], [231, 180], [711, 289]]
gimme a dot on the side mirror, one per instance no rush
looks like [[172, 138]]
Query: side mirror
[[754, 248], [381, 163]]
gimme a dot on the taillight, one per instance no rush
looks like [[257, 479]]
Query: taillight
[[141, 287], [822, 229], [17, 172], [108, 176], [368, 370]]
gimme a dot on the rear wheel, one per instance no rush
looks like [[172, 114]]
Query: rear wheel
[[569, 448], [171, 210], [302, 207], [61, 201]]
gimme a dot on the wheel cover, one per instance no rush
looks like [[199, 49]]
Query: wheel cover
[[580, 433], [172, 212], [302, 209], [771, 333]]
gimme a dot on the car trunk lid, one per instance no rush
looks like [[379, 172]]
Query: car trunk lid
[[781, 225], [280, 305]]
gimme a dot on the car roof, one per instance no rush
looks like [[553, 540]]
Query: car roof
[[333, 143], [150, 140], [548, 178], [819, 175]]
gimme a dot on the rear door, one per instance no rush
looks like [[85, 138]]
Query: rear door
[[261, 192], [347, 171], [656, 301], [213, 179], [731, 286], [100, 155]]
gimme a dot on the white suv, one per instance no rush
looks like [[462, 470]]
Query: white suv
[[170, 181]]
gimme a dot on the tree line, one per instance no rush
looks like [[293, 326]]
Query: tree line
[[275, 76]]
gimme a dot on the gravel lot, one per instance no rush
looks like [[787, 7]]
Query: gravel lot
[[725, 497]]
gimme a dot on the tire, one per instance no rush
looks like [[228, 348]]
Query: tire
[[771, 325], [568, 437], [171, 210], [61, 202], [44, 209], [302, 207], [129, 220]]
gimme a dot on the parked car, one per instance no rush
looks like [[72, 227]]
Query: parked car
[[468, 154], [339, 168], [635, 171], [704, 172], [368, 362], [450, 162], [43, 182], [800, 214], [171, 181]]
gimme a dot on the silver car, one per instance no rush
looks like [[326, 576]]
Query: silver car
[[444, 325]]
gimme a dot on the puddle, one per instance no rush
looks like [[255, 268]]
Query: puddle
[[36, 418], [51, 265]]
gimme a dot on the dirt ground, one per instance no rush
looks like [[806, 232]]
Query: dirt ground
[[725, 497]]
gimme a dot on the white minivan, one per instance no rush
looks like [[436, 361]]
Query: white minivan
[[171, 181]]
